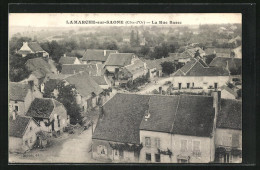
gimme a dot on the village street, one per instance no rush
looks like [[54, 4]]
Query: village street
[[152, 85]]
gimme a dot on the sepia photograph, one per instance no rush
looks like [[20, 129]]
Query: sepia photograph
[[125, 88]]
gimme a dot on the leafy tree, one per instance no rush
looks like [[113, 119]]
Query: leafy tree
[[67, 96], [144, 51], [54, 49], [110, 45], [160, 51], [132, 38], [17, 69], [168, 67]]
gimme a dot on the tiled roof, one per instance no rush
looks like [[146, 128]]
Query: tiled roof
[[137, 66], [67, 60], [76, 68], [78, 52], [18, 91], [35, 46], [191, 51], [17, 127], [197, 67], [168, 114], [97, 55], [119, 59], [100, 80], [233, 63], [84, 84], [51, 84], [41, 108], [157, 62], [229, 90], [218, 50], [195, 120], [122, 117], [162, 110], [230, 115], [37, 64]]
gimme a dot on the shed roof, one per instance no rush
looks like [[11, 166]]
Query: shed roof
[[18, 91], [97, 55], [119, 59], [230, 115]]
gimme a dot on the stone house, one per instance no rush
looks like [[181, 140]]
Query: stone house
[[32, 48], [50, 114], [88, 91], [119, 142], [93, 56], [173, 133], [20, 97], [228, 139], [22, 132], [196, 74], [69, 60]]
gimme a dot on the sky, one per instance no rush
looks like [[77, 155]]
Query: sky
[[60, 19]]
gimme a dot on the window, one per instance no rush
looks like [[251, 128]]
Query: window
[[179, 85], [148, 157], [196, 146], [193, 84], [157, 142], [16, 108], [188, 85], [102, 150], [157, 158], [121, 153], [147, 141], [58, 118], [184, 145], [227, 140], [30, 128]]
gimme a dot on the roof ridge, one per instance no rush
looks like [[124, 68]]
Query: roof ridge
[[176, 110]]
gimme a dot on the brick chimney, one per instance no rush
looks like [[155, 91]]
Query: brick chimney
[[216, 104], [160, 90]]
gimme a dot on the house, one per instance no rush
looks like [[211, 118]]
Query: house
[[88, 91], [69, 60], [131, 72], [120, 141], [116, 61], [219, 52], [234, 65], [50, 114], [20, 97], [171, 132], [40, 69], [228, 140], [22, 132], [93, 69], [182, 58], [92, 56], [192, 51], [196, 74], [228, 93], [78, 53], [155, 128], [32, 48]]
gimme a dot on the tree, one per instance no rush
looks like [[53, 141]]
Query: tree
[[54, 49], [67, 96], [167, 67], [137, 41], [160, 51], [132, 38], [144, 51], [16, 43], [17, 69], [110, 45]]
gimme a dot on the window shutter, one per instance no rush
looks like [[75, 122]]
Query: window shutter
[[235, 140]]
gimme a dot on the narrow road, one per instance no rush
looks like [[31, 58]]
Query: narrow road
[[151, 86]]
